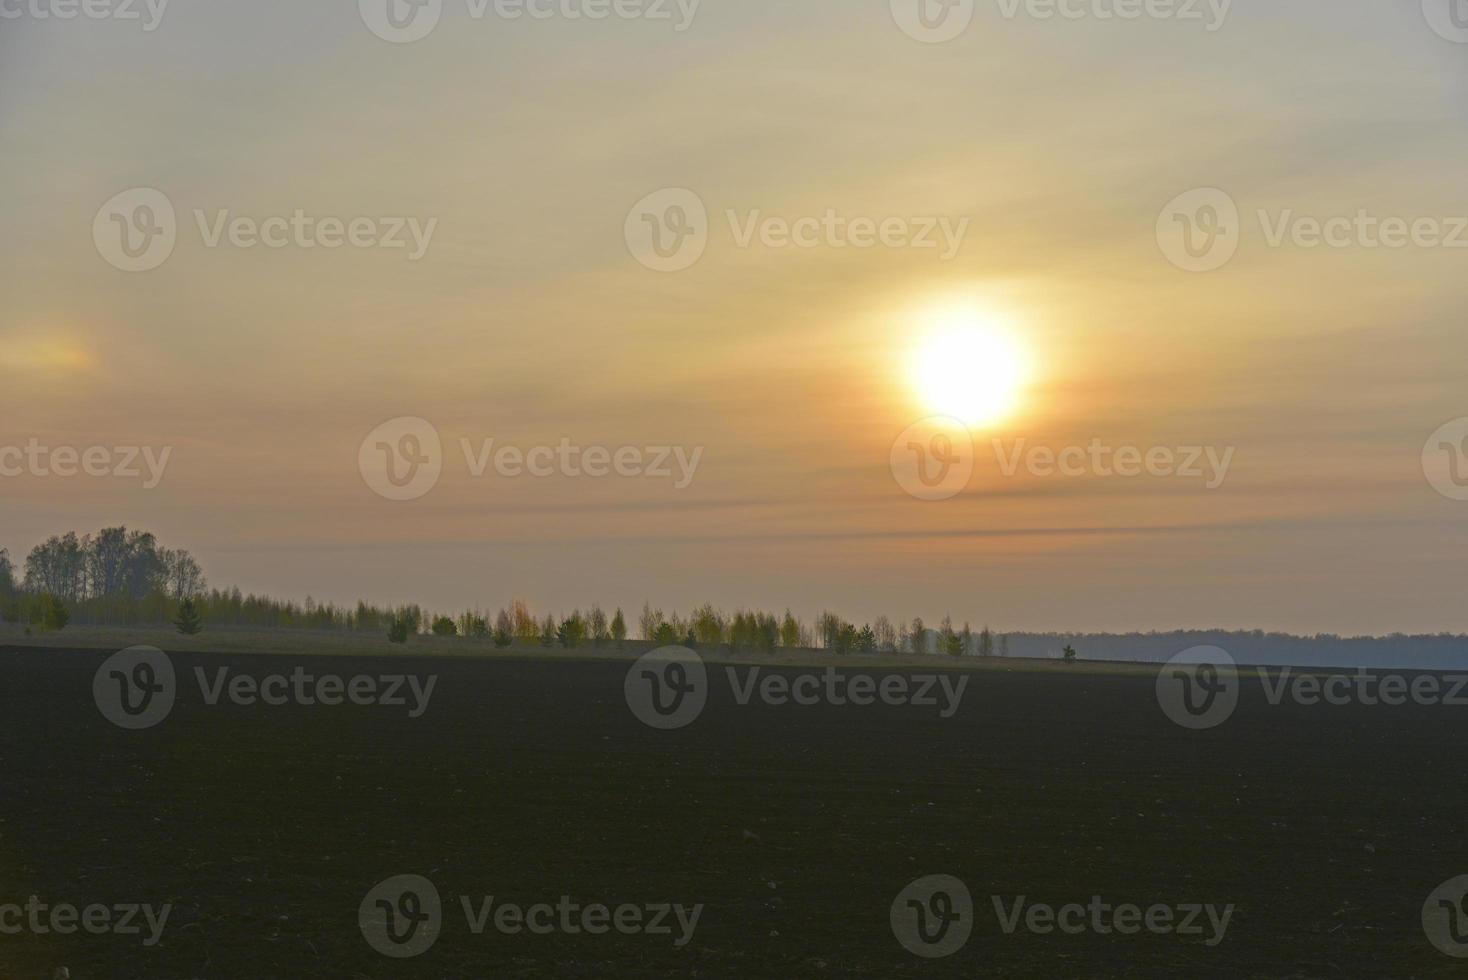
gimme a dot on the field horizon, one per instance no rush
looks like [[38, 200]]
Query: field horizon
[[1449, 653]]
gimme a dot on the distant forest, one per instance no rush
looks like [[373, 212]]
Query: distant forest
[[118, 577]]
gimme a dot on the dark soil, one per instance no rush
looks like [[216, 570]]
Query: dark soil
[[795, 827]]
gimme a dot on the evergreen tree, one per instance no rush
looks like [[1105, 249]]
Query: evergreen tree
[[188, 621], [571, 631], [619, 628]]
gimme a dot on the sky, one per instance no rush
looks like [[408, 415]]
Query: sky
[[1076, 159]]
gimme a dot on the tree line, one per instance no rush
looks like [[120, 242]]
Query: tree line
[[706, 627], [114, 576], [118, 577]]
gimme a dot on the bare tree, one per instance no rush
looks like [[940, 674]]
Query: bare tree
[[886, 635], [58, 566], [649, 621], [596, 622], [526, 628], [184, 577]]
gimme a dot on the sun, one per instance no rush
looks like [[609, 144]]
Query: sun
[[969, 366]]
